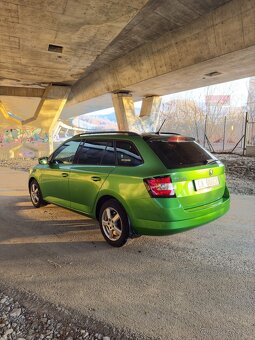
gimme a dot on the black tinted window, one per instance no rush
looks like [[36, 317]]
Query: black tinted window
[[96, 153], [179, 154], [66, 152], [127, 154]]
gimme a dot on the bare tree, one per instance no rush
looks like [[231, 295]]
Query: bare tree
[[205, 113]]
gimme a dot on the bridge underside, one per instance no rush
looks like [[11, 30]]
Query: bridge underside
[[217, 47]]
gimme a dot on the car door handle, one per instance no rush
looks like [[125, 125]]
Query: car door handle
[[96, 178], [64, 174]]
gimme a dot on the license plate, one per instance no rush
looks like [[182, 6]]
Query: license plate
[[206, 182]]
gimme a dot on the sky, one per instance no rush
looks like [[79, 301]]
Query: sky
[[238, 89]]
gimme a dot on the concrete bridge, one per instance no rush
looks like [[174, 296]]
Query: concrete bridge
[[80, 56]]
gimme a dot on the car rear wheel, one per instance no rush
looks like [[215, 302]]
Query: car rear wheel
[[35, 194], [114, 223]]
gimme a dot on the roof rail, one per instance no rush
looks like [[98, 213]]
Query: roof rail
[[130, 133], [169, 133]]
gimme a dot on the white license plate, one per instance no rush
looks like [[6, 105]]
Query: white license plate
[[206, 182]]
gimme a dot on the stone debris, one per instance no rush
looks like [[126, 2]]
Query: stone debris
[[19, 323], [16, 312], [240, 173], [19, 164]]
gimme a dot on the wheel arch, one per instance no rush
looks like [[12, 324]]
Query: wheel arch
[[101, 201], [30, 180], [107, 196]]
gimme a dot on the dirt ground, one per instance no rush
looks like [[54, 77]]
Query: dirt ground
[[240, 171]]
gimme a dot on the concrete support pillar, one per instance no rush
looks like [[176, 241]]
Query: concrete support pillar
[[127, 120], [124, 109], [49, 110], [7, 122], [150, 105]]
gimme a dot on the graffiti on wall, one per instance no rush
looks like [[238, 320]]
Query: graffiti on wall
[[29, 135], [26, 142]]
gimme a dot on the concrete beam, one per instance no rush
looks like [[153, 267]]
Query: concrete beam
[[49, 110], [21, 91], [50, 107], [182, 59]]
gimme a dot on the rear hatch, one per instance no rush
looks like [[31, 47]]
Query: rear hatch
[[198, 178]]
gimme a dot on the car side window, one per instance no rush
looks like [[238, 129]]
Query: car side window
[[94, 152], [65, 153], [127, 154]]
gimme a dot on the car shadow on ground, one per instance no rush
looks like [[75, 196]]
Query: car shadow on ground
[[24, 224]]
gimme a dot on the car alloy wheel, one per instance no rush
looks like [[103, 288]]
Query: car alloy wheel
[[35, 194], [114, 223]]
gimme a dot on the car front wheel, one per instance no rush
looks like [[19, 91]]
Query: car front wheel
[[114, 223], [35, 194]]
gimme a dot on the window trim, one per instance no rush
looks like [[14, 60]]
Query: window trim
[[111, 140]]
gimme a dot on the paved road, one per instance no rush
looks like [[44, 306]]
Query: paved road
[[195, 285]]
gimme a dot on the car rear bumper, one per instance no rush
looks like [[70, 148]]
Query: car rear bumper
[[176, 220]]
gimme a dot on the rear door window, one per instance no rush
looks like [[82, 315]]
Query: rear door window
[[95, 152], [179, 154], [127, 154]]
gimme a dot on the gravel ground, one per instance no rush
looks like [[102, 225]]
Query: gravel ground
[[19, 164], [240, 171], [17, 322], [34, 319]]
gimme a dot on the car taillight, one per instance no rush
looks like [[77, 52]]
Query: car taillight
[[160, 187]]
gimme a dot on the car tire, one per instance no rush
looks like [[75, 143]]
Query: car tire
[[114, 223], [36, 194]]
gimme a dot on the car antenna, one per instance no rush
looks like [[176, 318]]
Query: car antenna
[[157, 133]]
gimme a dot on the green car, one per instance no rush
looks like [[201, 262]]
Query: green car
[[149, 184]]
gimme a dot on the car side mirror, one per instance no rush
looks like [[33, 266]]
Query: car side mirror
[[43, 160]]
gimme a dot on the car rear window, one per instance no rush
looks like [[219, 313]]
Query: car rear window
[[179, 154]]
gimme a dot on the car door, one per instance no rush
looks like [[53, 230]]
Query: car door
[[55, 179], [94, 162]]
